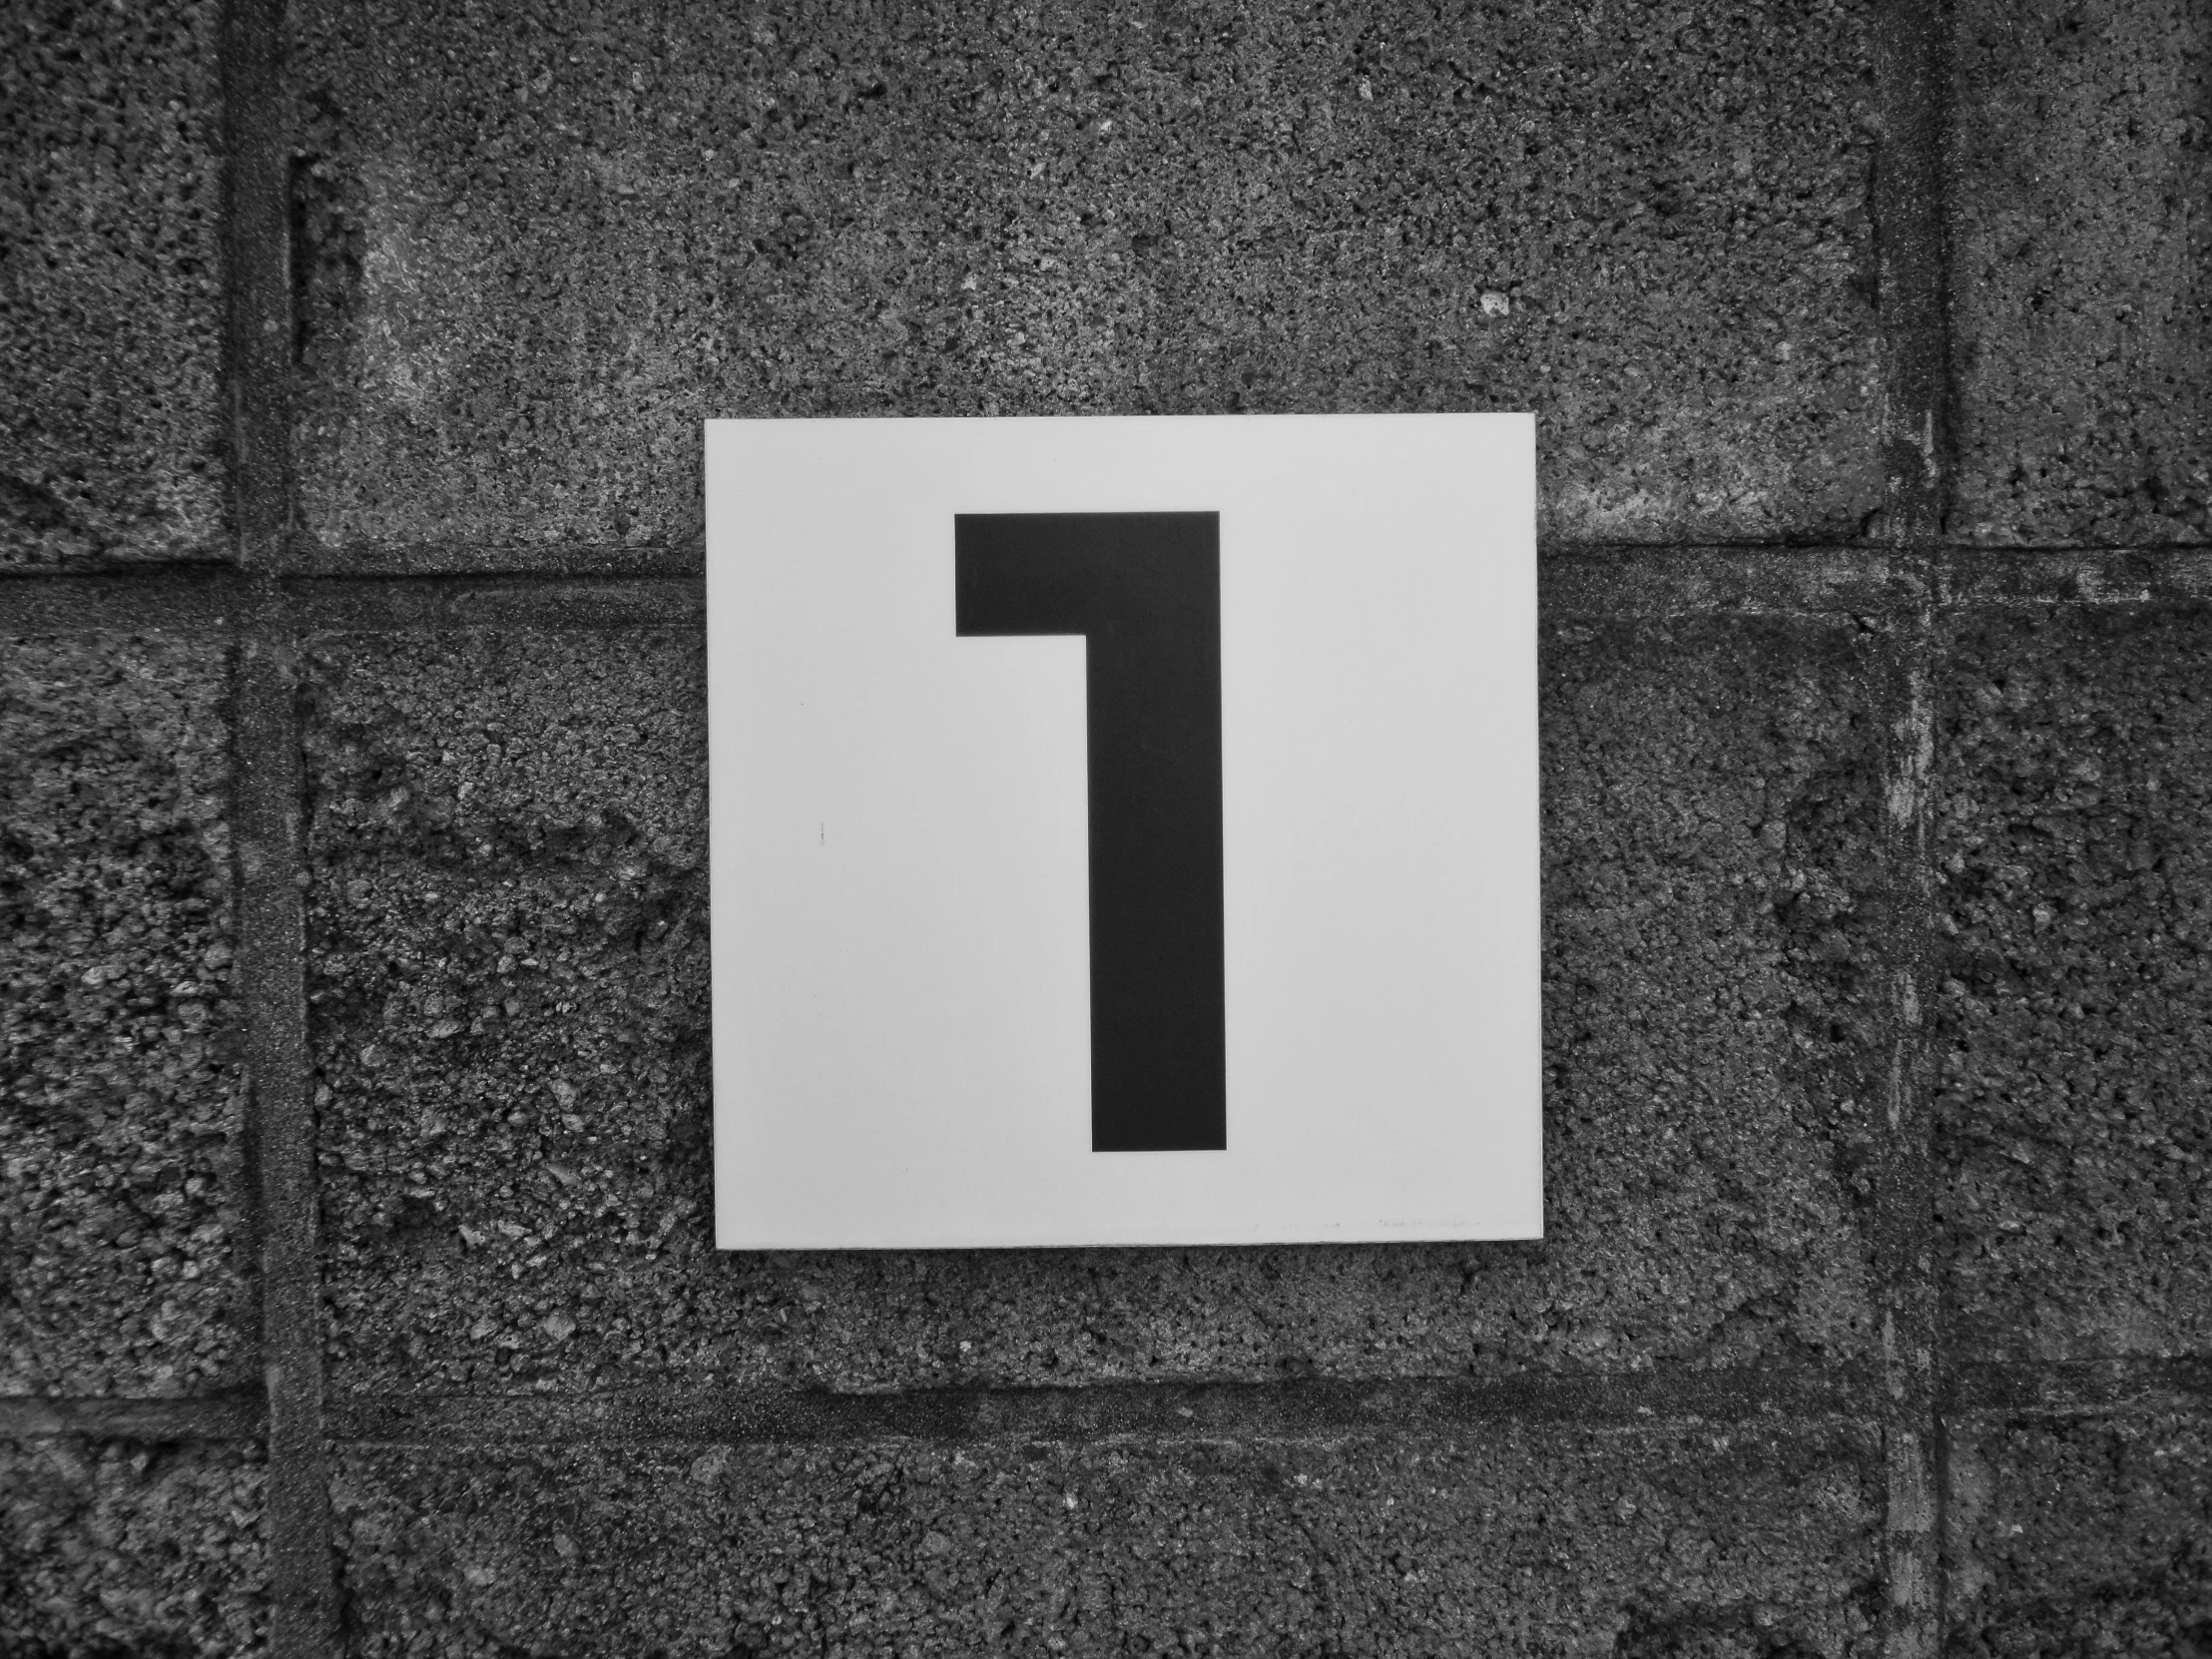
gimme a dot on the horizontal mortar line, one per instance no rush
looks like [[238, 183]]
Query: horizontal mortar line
[[1622, 580], [228, 1416], [400, 604], [1636, 582], [562, 561], [2078, 576], [186, 599], [219, 601], [1647, 581], [555, 561], [1860, 580], [540, 561], [1301, 1409], [2079, 1387]]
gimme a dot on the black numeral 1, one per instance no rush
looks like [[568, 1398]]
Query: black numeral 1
[[1144, 589]]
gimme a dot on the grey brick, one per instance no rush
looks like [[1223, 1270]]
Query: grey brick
[[2089, 1535], [111, 305], [1509, 1542], [2074, 1109], [543, 245], [511, 1029], [119, 1087], [114, 1548], [2082, 232]]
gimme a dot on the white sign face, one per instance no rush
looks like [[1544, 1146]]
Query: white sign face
[[1124, 830]]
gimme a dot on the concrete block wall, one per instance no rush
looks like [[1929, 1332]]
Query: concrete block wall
[[356, 1283]]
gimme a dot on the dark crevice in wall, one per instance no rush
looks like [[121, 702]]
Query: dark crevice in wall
[[326, 248]]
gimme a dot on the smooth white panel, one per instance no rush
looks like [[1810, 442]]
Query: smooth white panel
[[901, 931]]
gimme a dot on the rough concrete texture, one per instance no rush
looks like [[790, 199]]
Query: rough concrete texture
[[2088, 1537], [511, 1032], [112, 1548], [2081, 213], [119, 1090], [2075, 904], [1573, 1542], [543, 243], [111, 307]]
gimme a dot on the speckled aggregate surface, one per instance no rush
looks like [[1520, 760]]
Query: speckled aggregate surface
[[119, 1089], [110, 298], [510, 1017], [542, 246], [2074, 756], [2081, 205], [529, 246], [2092, 1535], [1643, 1543], [120, 1547]]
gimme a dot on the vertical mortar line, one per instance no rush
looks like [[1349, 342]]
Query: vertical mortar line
[[1911, 69], [256, 248], [1905, 1241], [280, 1136], [1911, 265], [281, 1139]]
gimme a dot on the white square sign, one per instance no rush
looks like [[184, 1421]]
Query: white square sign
[[1124, 830]]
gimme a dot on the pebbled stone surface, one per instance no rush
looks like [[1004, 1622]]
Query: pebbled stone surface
[[511, 1028], [119, 1087], [2081, 253], [540, 245], [111, 305], [115, 1547], [2074, 908], [2082, 1537], [1647, 1543]]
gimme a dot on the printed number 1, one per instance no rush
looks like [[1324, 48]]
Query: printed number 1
[[1144, 589]]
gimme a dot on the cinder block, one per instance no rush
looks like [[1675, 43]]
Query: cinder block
[[510, 1024], [1507, 1542], [120, 1092], [2081, 253], [539, 251], [2084, 1536], [2074, 1104], [113, 1547], [111, 303]]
